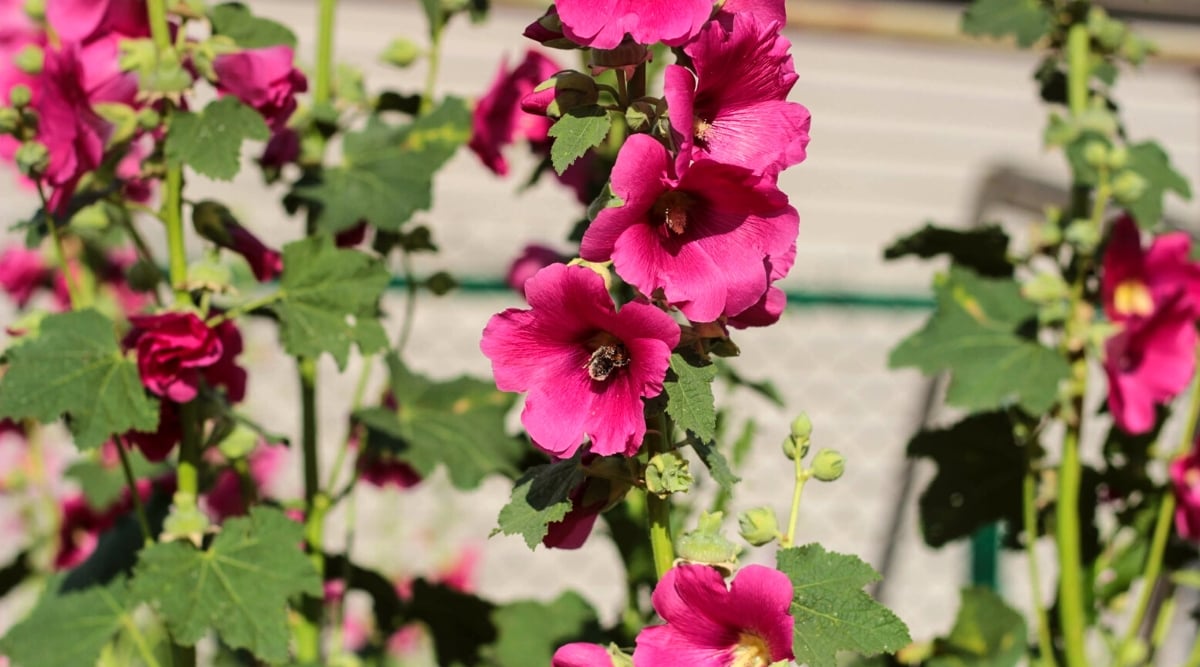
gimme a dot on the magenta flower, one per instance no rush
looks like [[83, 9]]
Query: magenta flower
[[532, 259], [225, 498], [498, 120], [156, 445], [705, 239], [580, 654], [71, 131], [709, 625], [1148, 363], [735, 109], [22, 271], [763, 11], [264, 79], [283, 148], [78, 20], [572, 530], [1185, 483], [602, 24], [1136, 282], [177, 350], [586, 366]]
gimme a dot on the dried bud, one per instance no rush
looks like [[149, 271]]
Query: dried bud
[[758, 525], [828, 465], [668, 473], [707, 546], [560, 93]]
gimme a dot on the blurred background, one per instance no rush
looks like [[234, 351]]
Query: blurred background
[[911, 122]]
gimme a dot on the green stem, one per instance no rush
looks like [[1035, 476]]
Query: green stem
[[1070, 562], [135, 498], [73, 292], [435, 66], [325, 22], [249, 306], [159, 28], [172, 216], [144, 253], [1078, 70], [658, 510], [1029, 503], [316, 505], [360, 390], [410, 303], [1162, 625], [1194, 657], [801, 477], [189, 458]]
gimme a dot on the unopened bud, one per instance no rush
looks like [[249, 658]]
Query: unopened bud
[[20, 96], [828, 465], [561, 93], [1118, 157], [10, 120], [641, 115], [32, 158], [548, 31], [239, 443], [213, 220], [1128, 187], [1095, 153], [143, 276], [707, 546], [667, 473], [401, 52], [802, 427], [627, 56], [36, 9], [793, 448], [758, 525], [30, 60], [148, 119], [441, 283]]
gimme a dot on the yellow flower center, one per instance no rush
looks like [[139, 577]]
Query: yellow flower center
[[1132, 297], [700, 128], [751, 651]]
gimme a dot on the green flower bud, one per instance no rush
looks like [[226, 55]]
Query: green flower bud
[[185, 521], [239, 443], [401, 52], [619, 658], [209, 275], [30, 60], [143, 276], [1099, 120], [20, 96], [10, 120], [802, 427], [1128, 187], [148, 119], [640, 115], [758, 525], [668, 473], [32, 158], [1118, 157], [213, 220], [441, 283], [828, 465], [1135, 49], [707, 546], [793, 448], [36, 9], [1095, 153], [1046, 287], [1083, 235]]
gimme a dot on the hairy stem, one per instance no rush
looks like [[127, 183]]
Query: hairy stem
[[316, 505], [410, 303], [435, 65], [73, 291], [658, 510], [801, 477]]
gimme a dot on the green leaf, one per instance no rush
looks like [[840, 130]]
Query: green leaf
[[103, 484], [980, 469], [1027, 20], [239, 586], [234, 20], [690, 398], [1150, 161], [576, 133], [76, 367], [387, 174], [986, 633], [541, 497], [330, 300], [210, 142], [975, 334], [530, 632], [983, 250], [458, 423], [716, 463], [69, 630], [832, 611]]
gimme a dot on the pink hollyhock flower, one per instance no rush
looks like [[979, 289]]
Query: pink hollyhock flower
[[73, 134], [704, 239], [586, 366], [709, 625], [103, 78], [81, 525], [173, 349], [1135, 282], [580, 654], [738, 111], [770, 308], [283, 148], [156, 445], [225, 499], [379, 468], [264, 79], [763, 11], [532, 259], [572, 530], [1148, 363], [78, 20], [266, 263], [602, 24], [1185, 482], [498, 120], [22, 271]]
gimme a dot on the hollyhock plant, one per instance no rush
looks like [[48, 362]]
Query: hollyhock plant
[[226, 499], [763, 11], [1185, 482], [22, 272], [156, 445], [1135, 282], [585, 365], [603, 24], [498, 120], [265, 79], [711, 625], [78, 20], [71, 131], [176, 350], [734, 109], [1148, 363], [704, 239], [214, 222]]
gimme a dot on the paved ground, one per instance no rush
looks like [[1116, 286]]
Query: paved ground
[[902, 132]]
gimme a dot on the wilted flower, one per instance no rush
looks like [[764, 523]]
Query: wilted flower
[[709, 625], [586, 366]]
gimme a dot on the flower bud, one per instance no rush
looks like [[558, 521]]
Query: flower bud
[[1082, 234], [30, 60], [548, 31], [239, 443], [217, 224], [667, 473], [1128, 187], [20, 96], [441, 283], [143, 276], [627, 56], [802, 427], [32, 158], [401, 53], [1118, 157], [1095, 153], [707, 546], [560, 93], [828, 465], [36, 10], [10, 120], [148, 119], [758, 525], [641, 115], [792, 448]]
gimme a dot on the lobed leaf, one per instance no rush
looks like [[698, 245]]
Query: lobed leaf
[[987, 633], [541, 497], [832, 612], [575, 133], [1026, 20], [690, 400], [983, 250], [239, 586], [1150, 161], [210, 142], [75, 367], [235, 21], [69, 630]]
